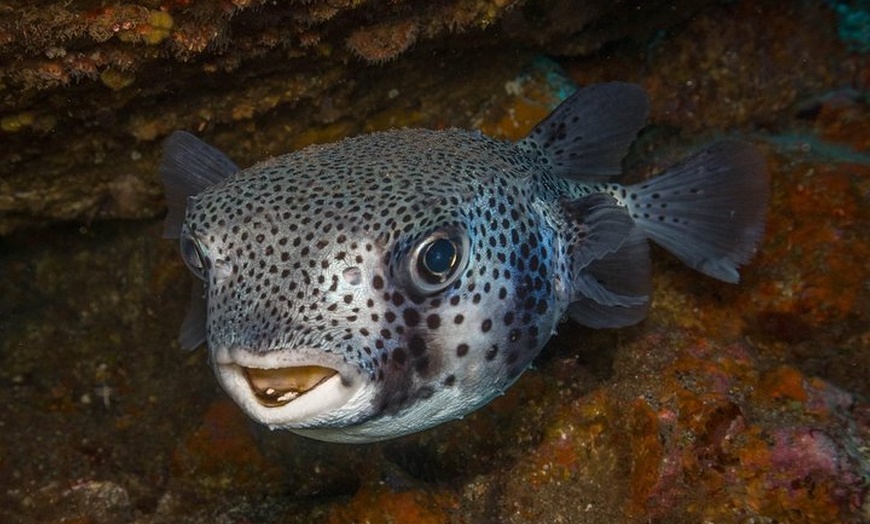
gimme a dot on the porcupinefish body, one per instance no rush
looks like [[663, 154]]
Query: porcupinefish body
[[387, 283]]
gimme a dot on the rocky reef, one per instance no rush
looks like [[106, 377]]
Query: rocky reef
[[88, 90], [738, 404]]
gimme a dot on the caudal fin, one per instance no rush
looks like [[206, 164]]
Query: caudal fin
[[709, 210]]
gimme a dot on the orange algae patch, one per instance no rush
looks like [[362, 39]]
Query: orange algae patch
[[788, 475], [222, 451], [647, 454], [810, 395], [845, 121], [784, 383], [517, 120], [815, 253], [699, 430], [380, 504], [689, 433], [532, 96], [704, 378], [578, 442], [383, 42]]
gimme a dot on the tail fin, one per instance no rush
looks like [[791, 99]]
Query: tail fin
[[709, 210]]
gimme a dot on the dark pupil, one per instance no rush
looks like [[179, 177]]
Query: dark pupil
[[440, 256]]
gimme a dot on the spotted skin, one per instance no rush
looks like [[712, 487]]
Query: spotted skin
[[316, 258], [289, 257]]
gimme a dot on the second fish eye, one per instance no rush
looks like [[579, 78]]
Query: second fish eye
[[193, 256]]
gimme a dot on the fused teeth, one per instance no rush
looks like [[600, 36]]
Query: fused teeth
[[280, 386]]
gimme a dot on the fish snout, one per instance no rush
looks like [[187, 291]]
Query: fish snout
[[288, 387]]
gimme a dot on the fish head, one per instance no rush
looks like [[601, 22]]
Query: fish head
[[366, 302]]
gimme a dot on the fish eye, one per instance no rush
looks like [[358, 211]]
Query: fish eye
[[437, 260], [191, 252]]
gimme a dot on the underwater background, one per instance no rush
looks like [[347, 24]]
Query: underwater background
[[744, 403]]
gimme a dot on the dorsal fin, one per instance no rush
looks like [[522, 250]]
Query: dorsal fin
[[589, 134], [188, 166]]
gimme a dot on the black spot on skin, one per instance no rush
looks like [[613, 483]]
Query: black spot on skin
[[449, 380], [417, 346], [486, 325], [461, 350], [433, 321], [399, 356], [411, 317], [421, 365], [491, 353]]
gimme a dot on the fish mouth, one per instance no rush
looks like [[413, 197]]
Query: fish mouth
[[291, 388], [278, 387]]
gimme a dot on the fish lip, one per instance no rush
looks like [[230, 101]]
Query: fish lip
[[311, 407]]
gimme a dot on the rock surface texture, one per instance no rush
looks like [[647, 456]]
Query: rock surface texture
[[729, 404], [88, 90]]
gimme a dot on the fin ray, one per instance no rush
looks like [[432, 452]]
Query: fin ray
[[614, 291], [193, 329], [188, 166], [588, 135], [709, 211], [597, 225]]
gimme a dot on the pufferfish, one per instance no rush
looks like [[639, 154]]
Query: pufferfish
[[387, 283]]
